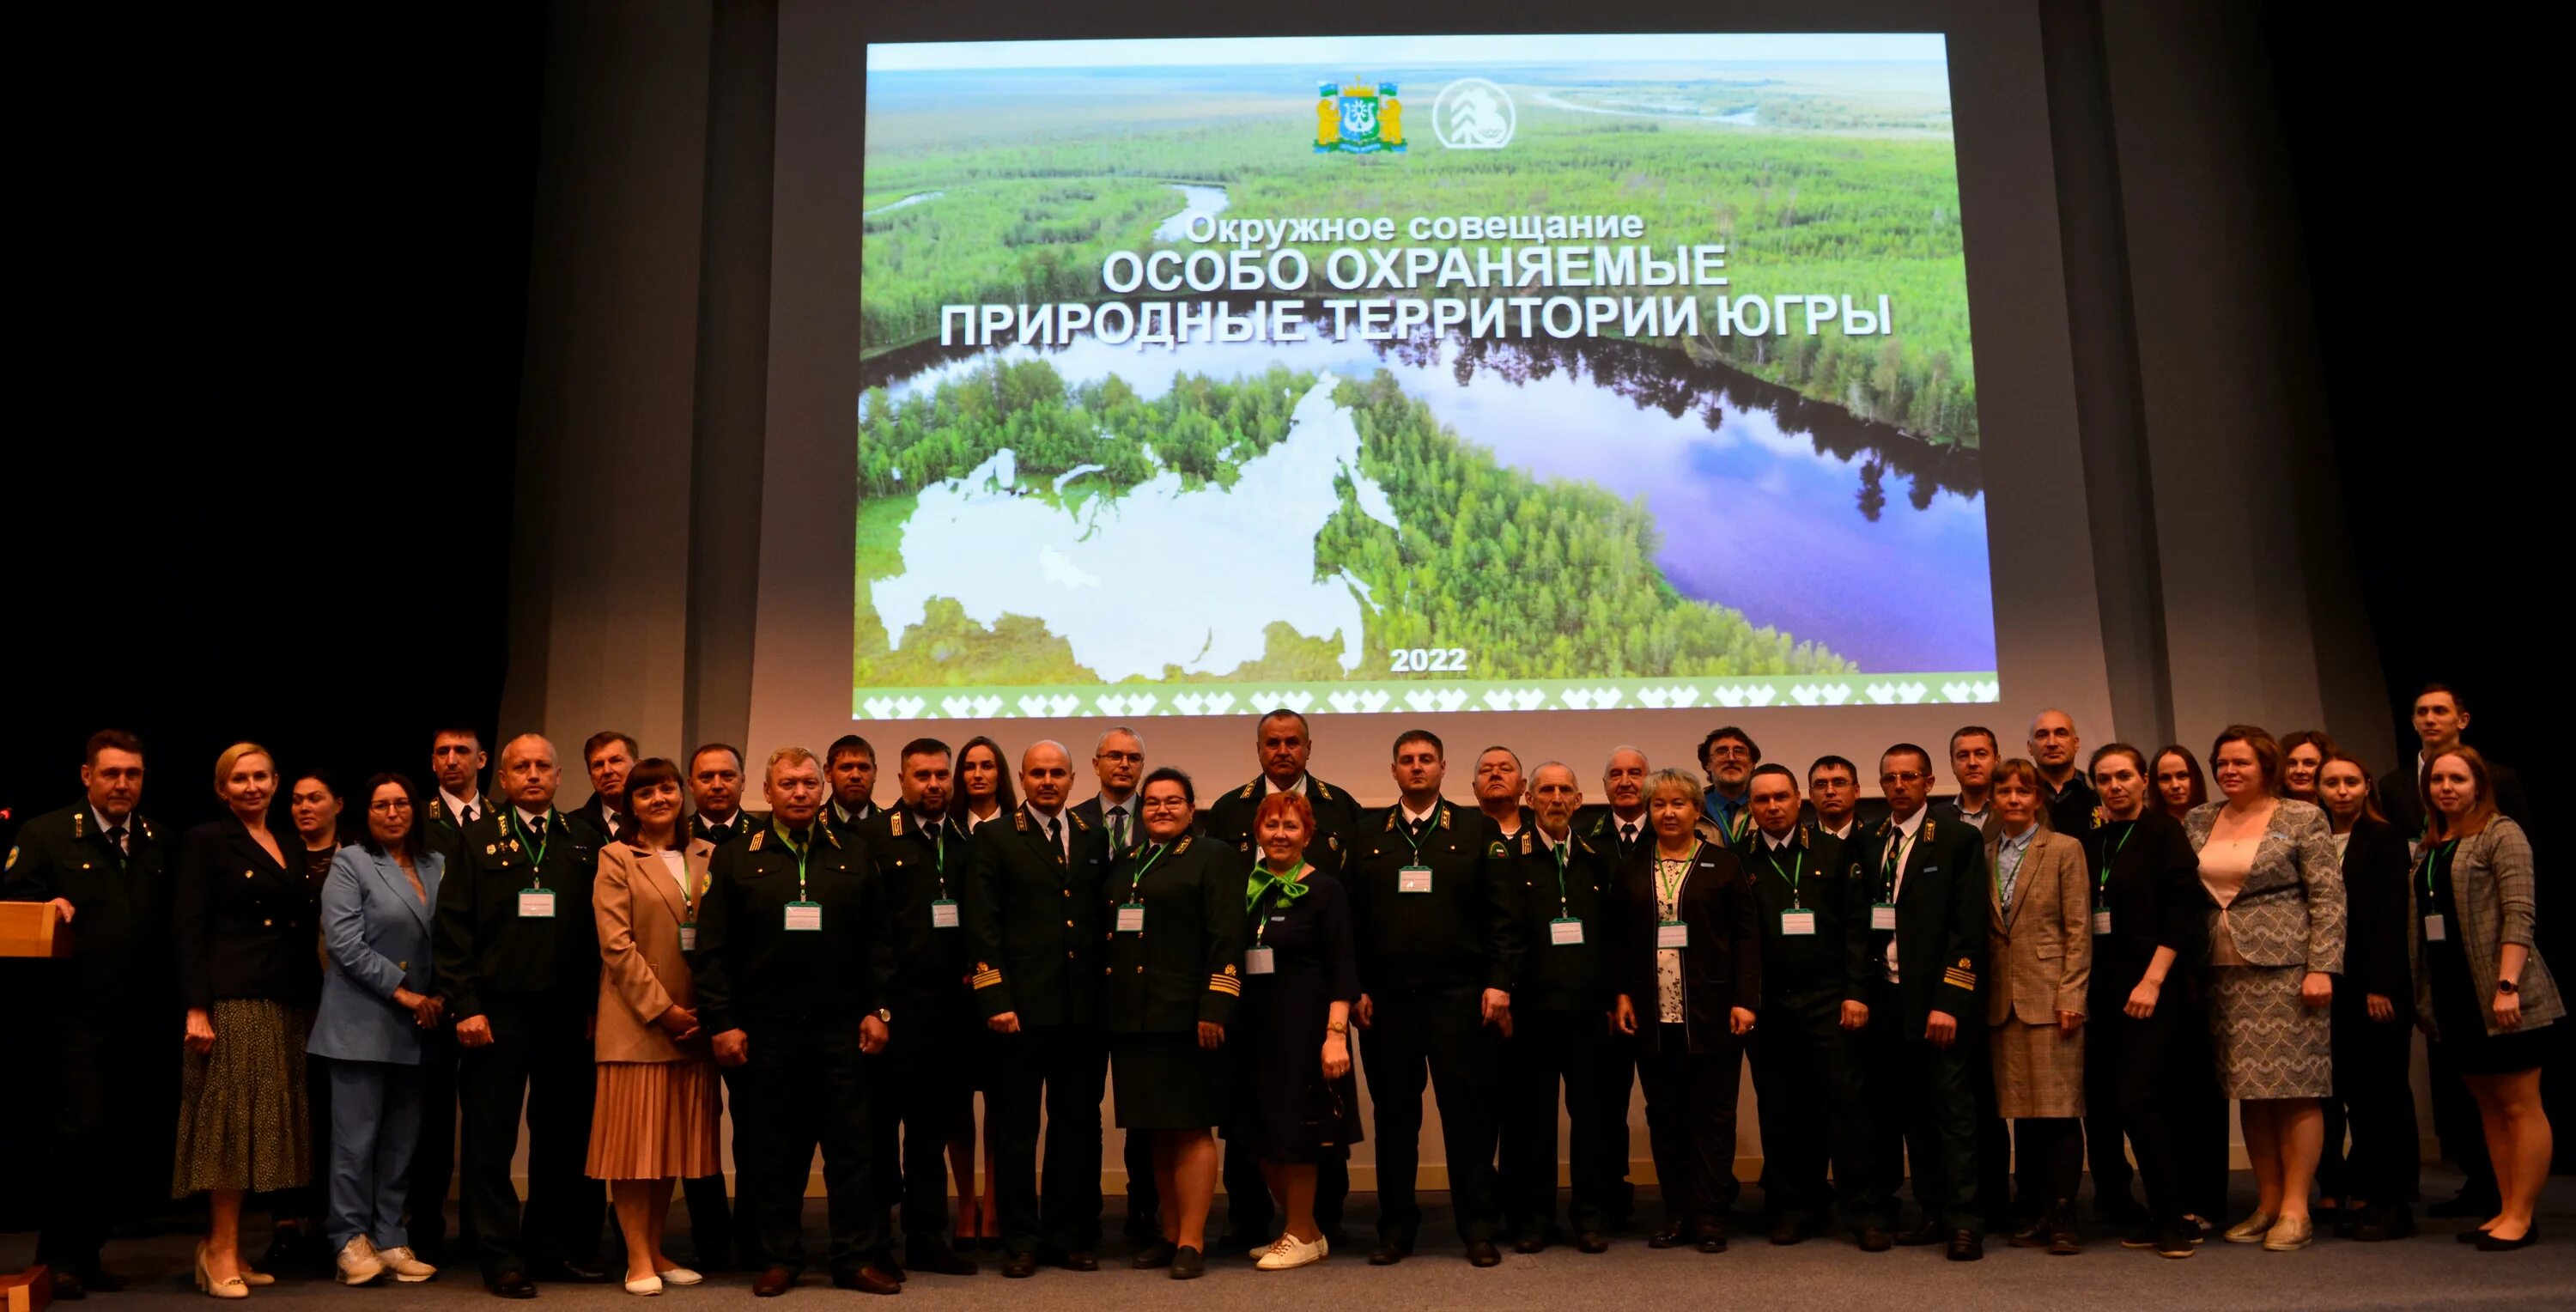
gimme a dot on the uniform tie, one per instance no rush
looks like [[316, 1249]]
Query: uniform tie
[[116, 835]]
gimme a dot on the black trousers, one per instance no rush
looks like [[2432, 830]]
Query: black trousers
[[1806, 1073], [803, 1087], [2456, 1123], [541, 1055], [1923, 1106], [1690, 1122], [715, 1231], [1062, 1071], [1144, 1203], [2148, 1080], [2375, 1099], [2050, 1152], [1994, 1140], [2106, 1128], [1619, 1064], [1549, 1048], [106, 1145], [1437, 1036], [924, 1088], [1251, 1211], [433, 1159]]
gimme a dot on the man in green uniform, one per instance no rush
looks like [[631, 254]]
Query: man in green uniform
[[456, 760], [104, 1020], [1565, 892]]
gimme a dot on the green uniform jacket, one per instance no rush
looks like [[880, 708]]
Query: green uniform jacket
[[1940, 919], [917, 867], [1337, 820], [1833, 962], [1033, 920], [122, 951], [752, 969], [1571, 977], [1186, 965], [484, 948], [1463, 933]]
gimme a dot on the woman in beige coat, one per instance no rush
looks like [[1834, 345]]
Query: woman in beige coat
[[654, 1119], [2040, 955]]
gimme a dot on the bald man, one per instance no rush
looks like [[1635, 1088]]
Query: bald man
[[518, 964], [1033, 932], [2056, 750]]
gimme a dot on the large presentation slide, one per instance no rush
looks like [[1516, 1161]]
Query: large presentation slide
[[1418, 374]]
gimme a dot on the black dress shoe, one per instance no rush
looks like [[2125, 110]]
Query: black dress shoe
[[866, 1280], [1788, 1232], [2382, 1224], [1710, 1237], [1389, 1253], [2488, 1243], [1482, 1253], [1671, 1236], [1530, 1244], [1020, 1266], [1874, 1239], [578, 1272], [2063, 1241], [2033, 1235], [938, 1259], [1591, 1241], [1966, 1246], [69, 1288], [1922, 1236], [512, 1284], [884, 1264], [1188, 1263], [772, 1281], [1154, 1256], [1077, 1260], [2464, 1205]]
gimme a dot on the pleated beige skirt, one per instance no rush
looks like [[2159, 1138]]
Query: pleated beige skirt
[[653, 1120]]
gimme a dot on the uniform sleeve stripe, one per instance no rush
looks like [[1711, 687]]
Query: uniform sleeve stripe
[[987, 979], [1225, 984]]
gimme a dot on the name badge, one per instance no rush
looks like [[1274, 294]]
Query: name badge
[[2435, 929], [1565, 932], [1882, 915], [805, 916], [536, 904], [2101, 921], [1131, 917], [1413, 879], [1672, 934], [943, 914], [688, 937], [1801, 923], [1258, 961]]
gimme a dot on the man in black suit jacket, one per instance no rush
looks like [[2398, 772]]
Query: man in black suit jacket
[[518, 964], [1619, 828], [850, 764], [101, 1020], [715, 795], [1926, 881], [1118, 762], [1033, 934], [608, 755], [456, 761]]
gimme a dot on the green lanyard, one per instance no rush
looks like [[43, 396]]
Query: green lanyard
[[1136, 887], [1797, 867], [1558, 851], [1412, 839], [536, 870], [800, 853], [1894, 861], [1671, 890], [2432, 857], [2102, 881], [939, 855]]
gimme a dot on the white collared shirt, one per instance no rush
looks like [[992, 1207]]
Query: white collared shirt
[[535, 824], [458, 807], [1063, 827], [1413, 817], [1120, 818], [1903, 842]]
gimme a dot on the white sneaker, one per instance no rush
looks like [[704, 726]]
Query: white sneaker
[[407, 1268], [358, 1263], [681, 1276], [1290, 1253]]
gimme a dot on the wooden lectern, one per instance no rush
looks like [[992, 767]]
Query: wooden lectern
[[31, 1290], [31, 929]]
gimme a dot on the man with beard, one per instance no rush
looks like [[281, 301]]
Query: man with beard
[[1727, 756]]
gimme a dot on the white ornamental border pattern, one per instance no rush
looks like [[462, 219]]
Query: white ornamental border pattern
[[1425, 699]]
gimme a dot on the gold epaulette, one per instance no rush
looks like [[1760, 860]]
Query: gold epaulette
[[1525, 842], [1317, 787], [757, 839], [1250, 788], [1020, 819], [894, 823], [985, 976], [1224, 982], [1185, 846]]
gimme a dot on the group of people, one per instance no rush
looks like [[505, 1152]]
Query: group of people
[[2077, 951]]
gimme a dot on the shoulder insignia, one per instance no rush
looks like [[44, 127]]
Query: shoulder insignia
[[830, 834], [1317, 787], [985, 976], [1495, 848], [80, 820], [1135, 850], [13, 859], [1020, 819], [1525, 844], [757, 839], [1390, 819], [1250, 788], [1579, 845], [1444, 815], [1927, 829], [894, 824], [1185, 846], [1078, 821], [1333, 842], [145, 825]]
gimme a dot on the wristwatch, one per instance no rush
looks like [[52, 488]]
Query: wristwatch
[[885, 1015], [1337, 1027], [2507, 986]]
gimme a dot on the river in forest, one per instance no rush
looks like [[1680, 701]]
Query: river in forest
[[1834, 529]]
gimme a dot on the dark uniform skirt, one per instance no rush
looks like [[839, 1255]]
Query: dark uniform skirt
[[1167, 1082], [242, 1116]]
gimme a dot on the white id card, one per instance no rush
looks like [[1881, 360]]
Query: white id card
[[536, 904], [807, 916], [1131, 917], [1672, 934], [2101, 921], [1798, 922], [688, 938], [2435, 928], [1413, 879], [943, 914], [1258, 961], [1882, 915], [1565, 932]]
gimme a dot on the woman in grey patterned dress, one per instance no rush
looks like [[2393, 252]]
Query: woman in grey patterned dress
[[2275, 945]]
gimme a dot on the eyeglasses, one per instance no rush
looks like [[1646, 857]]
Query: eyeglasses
[[1904, 777], [1163, 804], [388, 807], [1124, 758]]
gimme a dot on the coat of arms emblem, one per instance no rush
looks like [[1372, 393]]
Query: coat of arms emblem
[[1358, 118]]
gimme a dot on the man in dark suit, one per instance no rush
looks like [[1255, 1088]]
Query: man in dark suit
[[850, 766], [518, 964], [1501, 791], [1619, 827], [794, 942], [1974, 754], [1567, 895], [1038, 989], [103, 1021], [608, 755], [920, 857], [1118, 762], [1816, 977], [1833, 792], [1282, 744], [1926, 880], [456, 759], [1438, 947], [1727, 756], [715, 795], [2055, 749]]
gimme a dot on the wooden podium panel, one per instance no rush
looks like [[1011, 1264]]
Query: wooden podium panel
[[31, 1290], [31, 929]]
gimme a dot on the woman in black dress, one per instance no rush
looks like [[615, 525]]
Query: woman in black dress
[[2373, 1040], [1296, 1102], [1172, 974]]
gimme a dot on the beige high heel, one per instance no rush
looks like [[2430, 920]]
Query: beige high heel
[[207, 1285]]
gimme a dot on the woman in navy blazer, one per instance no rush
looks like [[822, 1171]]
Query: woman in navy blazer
[[377, 906]]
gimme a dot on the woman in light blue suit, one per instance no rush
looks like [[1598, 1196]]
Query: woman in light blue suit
[[377, 905]]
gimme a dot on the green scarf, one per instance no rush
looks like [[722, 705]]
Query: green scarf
[[1263, 881]]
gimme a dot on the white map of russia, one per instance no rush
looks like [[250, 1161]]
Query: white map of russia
[[1099, 575]]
